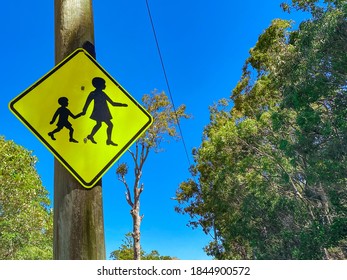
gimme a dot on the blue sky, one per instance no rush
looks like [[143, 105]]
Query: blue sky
[[204, 45]]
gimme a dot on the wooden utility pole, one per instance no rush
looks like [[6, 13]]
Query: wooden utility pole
[[78, 214]]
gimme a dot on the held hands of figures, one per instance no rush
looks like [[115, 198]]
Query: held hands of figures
[[80, 114], [83, 113]]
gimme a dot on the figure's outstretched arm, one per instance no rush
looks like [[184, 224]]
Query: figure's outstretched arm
[[119, 104], [116, 103]]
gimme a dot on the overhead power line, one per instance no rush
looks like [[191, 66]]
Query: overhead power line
[[167, 81]]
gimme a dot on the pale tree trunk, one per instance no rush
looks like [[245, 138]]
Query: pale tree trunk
[[139, 157], [135, 213]]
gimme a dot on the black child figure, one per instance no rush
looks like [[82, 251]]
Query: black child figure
[[101, 112], [63, 113]]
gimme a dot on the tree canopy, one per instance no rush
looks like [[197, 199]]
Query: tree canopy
[[269, 179], [25, 216]]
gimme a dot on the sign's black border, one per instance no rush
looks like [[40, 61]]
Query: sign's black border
[[55, 153]]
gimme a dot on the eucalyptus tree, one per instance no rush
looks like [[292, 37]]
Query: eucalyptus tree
[[270, 174], [164, 127]]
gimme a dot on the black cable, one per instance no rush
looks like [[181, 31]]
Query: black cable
[[167, 80]]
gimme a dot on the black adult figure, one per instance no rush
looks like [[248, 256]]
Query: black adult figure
[[63, 121], [101, 112]]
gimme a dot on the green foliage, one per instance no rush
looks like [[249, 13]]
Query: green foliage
[[252, 96], [25, 217], [315, 7], [165, 120], [125, 252], [270, 175]]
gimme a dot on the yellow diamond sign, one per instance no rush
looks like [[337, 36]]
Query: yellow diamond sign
[[82, 115]]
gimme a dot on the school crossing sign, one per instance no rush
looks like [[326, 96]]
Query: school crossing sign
[[82, 115]]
